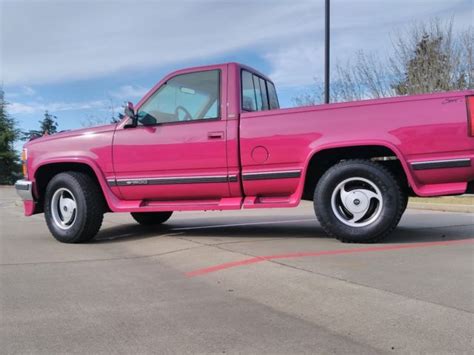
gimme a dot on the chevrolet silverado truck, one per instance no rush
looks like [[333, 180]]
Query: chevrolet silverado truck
[[214, 138]]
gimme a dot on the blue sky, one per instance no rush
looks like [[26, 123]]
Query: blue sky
[[78, 59]]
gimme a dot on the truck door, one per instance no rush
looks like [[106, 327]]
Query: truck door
[[178, 149]]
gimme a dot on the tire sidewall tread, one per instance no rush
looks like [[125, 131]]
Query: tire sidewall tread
[[393, 201], [89, 210]]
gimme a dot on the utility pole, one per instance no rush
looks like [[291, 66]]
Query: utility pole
[[327, 53]]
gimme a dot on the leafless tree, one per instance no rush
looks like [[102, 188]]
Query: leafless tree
[[110, 117], [426, 57]]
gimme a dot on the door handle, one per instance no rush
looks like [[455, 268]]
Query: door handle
[[215, 135]]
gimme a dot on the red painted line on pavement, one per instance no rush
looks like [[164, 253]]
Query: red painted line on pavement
[[259, 259]]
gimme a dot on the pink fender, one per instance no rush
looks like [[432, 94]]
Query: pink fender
[[110, 197], [379, 143]]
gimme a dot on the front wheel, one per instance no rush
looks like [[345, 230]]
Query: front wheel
[[151, 218], [74, 207], [358, 201]]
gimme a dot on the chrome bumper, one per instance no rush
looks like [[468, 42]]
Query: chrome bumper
[[24, 189]]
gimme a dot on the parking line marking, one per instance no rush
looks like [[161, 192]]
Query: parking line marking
[[241, 224], [259, 259]]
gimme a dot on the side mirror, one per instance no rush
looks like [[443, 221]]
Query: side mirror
[[129, 111]]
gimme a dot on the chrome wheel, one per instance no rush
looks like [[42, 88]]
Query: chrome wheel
[[357, 202], [63, 208]]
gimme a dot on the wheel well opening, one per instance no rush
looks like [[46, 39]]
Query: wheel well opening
[[323, 160], [46, 172]]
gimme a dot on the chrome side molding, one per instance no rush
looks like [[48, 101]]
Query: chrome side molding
[[173, 180], [441, 164], [270, 175]]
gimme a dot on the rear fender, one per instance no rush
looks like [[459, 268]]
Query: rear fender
[[384, 144]]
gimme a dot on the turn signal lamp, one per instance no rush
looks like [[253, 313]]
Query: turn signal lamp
[[470, 115], [24, 159]]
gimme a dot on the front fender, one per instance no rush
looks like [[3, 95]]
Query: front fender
[[65, 164]]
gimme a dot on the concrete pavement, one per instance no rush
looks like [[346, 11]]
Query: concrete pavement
[[130, 291]]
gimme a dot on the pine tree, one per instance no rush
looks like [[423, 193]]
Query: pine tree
[[9, 161], [48, 125]]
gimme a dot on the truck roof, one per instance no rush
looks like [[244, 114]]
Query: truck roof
[[212, 66]]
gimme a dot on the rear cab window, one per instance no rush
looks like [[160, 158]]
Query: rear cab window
[[257, 93]]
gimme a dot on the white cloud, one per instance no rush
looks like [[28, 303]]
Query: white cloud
[[370, 25], [293, 65], [35, 107], [28, 91], [18, 107], [57, 41], [128, 92], [21, 92]]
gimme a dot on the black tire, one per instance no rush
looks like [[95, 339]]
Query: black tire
[[90, 207], [404, 203], [384, 216], [151, 218]]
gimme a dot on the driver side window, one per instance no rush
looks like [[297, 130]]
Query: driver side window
[[186, 97]]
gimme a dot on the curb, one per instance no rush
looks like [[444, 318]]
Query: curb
[[441, 207]]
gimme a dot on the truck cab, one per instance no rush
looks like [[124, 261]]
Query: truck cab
[[184, 144]]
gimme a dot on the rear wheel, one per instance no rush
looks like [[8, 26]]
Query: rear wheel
[[358, 201], [404, 203], [74, 207], [151, 218]]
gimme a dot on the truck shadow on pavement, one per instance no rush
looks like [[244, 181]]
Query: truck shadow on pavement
[[134, 232], [306, 230]]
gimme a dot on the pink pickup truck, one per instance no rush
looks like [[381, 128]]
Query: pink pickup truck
[[214, 138]]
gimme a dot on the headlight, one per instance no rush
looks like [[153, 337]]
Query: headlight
[[24, 160]]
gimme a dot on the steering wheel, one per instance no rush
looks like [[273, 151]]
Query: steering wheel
[[187, 115]]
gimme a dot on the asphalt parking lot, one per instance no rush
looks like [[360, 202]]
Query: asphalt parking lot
[[262, 281]]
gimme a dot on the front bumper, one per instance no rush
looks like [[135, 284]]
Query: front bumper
[[24, 189]]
